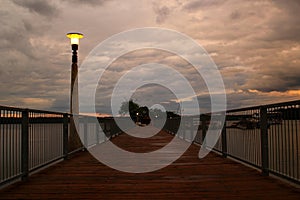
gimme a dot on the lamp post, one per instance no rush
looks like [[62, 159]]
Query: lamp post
[[74, 102]]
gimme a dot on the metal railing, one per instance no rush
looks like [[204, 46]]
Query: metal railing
[[266, 137], [32, 139], [29, 140]]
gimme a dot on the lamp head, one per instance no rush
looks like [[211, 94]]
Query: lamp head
[[75, 37]]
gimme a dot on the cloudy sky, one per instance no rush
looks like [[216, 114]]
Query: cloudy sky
[[255, 44]]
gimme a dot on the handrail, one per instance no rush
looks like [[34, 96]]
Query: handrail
[[31, 139], [32, 110], [250, 135], [264, 105], [266, 137]]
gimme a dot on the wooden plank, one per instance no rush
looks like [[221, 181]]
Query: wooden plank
[[214, 177]]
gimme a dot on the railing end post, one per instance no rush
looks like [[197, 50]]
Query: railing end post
[[264, 140], [224, 141], [25, 144]]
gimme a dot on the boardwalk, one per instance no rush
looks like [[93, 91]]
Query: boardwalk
[[83, 177]]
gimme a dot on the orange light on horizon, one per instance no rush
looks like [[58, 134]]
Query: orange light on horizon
[[294, 92]]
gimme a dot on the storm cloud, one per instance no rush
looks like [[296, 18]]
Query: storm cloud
[[46, 8], [255, 44]]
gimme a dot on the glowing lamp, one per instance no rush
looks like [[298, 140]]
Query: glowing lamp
[[74, 43], [75, 37]]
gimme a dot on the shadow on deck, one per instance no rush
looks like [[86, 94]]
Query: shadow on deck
[[83, 177]]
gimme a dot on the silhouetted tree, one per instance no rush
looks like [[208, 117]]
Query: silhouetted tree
[[129, 107]]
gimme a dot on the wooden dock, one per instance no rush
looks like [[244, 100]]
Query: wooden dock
[[214, 177]]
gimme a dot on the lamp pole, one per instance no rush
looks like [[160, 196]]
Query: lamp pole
[[74, 101]]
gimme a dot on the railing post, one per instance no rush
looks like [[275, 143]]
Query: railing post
[[85, 133], [107, 132], [112, 129], [185, 129], [104, 131], [65, 135], [203, 124], [25, 144], [167, 125], [101, 132], [97, 131], [224, 141], [264, 141]]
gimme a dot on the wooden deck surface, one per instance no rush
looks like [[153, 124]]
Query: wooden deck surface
[[83, 177]]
